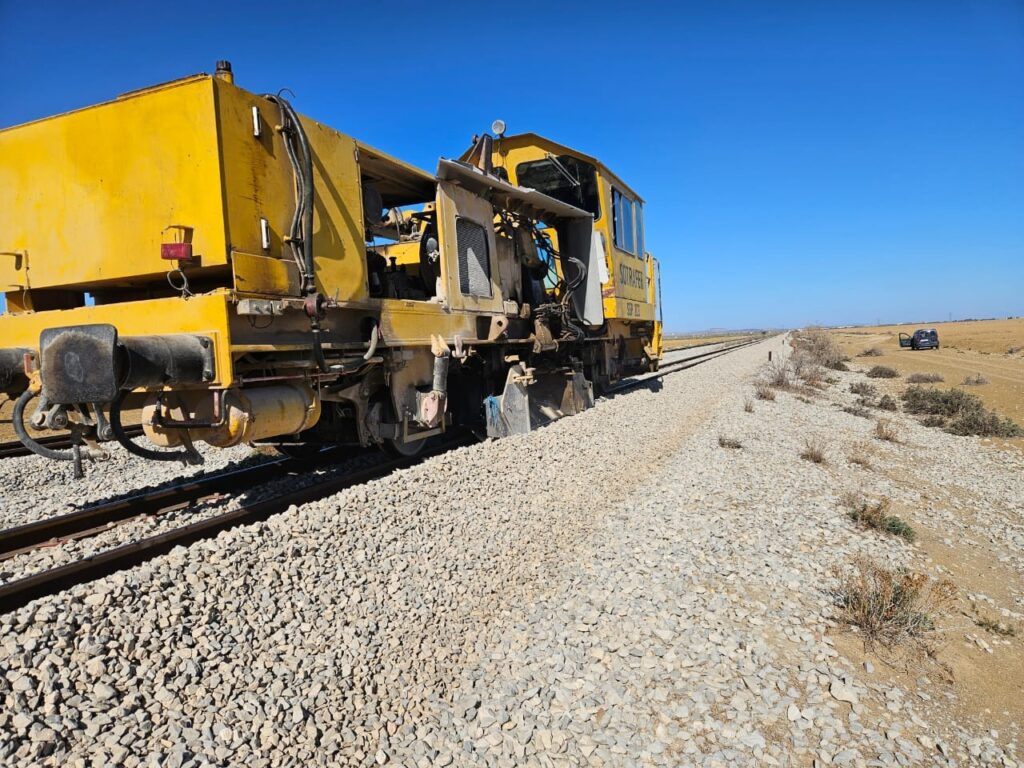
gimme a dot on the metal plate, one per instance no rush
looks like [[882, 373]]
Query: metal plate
[[77, 364]]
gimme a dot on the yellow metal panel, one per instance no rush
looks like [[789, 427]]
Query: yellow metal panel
[[413, 322], [262, 274], [87, 195], [453, 202], [206, 314], [258, 184]]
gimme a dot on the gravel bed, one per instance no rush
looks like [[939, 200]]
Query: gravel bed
[[35, 488], [615, 589], [38, 560]]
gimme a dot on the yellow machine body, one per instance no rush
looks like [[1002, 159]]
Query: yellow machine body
[[167, 214]]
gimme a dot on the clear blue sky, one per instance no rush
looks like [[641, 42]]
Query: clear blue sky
[[827, 162]]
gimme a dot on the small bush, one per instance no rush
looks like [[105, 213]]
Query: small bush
[[886, 429], [748, 405], [860, 455], [891, 606], [883, 372], [933, 421], [863, 388], [858, 410], [876, 517], [820, 347], [995, 626], [975, 381], [813, 451], [1014, 350], [887, 403], [778, 375], [764, 391], [728, 442], [871, 352], [925, 378], [961, 412], [839, 365]]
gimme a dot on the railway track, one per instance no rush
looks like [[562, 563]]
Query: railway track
[[98, 518], [14, 448]]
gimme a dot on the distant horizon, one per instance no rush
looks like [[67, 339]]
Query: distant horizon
[[752, 329]]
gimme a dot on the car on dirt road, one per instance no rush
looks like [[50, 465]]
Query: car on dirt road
[[923, 338]]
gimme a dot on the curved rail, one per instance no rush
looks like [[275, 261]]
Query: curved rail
[[98, 518]]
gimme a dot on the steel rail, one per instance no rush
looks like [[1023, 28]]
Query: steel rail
[[17, 594], [13, 448]]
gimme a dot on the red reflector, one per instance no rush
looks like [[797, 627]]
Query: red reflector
[[176, 251]]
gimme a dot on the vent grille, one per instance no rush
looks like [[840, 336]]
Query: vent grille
[[474, 260]]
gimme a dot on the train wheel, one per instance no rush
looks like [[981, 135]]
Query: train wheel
[[404, 450]]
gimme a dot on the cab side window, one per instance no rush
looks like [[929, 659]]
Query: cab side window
[[624, 221]]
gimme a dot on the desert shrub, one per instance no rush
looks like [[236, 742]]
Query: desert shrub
[[748, 405], [858, 410], [934, 421], [961, 412], [871, 352], [974, 381], [890, 606], [886, 429], [860, 455], [729, 442], [1014, 350], [813, 451], [863, 388], [883, 372], [821, 348], [887, 403], [876, 517], [994, 625], [925, 378], [779, 375], [764, 391]]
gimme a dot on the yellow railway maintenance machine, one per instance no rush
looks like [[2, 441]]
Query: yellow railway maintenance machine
[[243, 274]]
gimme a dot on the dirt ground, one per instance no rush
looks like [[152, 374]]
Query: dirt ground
[[684, 342], [966, 349]]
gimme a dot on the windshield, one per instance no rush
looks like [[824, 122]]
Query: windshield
[[564, 178]]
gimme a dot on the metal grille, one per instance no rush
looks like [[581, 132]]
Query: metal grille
[[474, 260]]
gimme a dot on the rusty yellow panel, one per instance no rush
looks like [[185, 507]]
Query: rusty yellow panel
[[86, 197], [413, 322], [265, 275], [206, 314], [258, 184]]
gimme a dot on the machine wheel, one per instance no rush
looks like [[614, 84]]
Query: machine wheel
[[404, 450]]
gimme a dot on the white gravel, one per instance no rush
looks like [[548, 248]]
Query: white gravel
[[615, 589]]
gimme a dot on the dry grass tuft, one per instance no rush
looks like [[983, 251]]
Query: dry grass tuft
[[974, 381], [883, 372], [779, 375], [887, 403], [814, 450], [891, 606], [925, 378], [871, 352], [729, 442], [1014, 350], [860, 455], [876, 516], [763, 391], [994, 625], [887, 430], [748, 405], [863, 388]]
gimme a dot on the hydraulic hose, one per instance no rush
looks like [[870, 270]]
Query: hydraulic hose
[[18, 422], [185, 456]]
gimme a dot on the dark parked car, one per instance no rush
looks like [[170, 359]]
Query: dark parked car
[[923, 338]]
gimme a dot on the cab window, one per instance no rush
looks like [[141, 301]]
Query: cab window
[[624, 222], [564, 178]]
